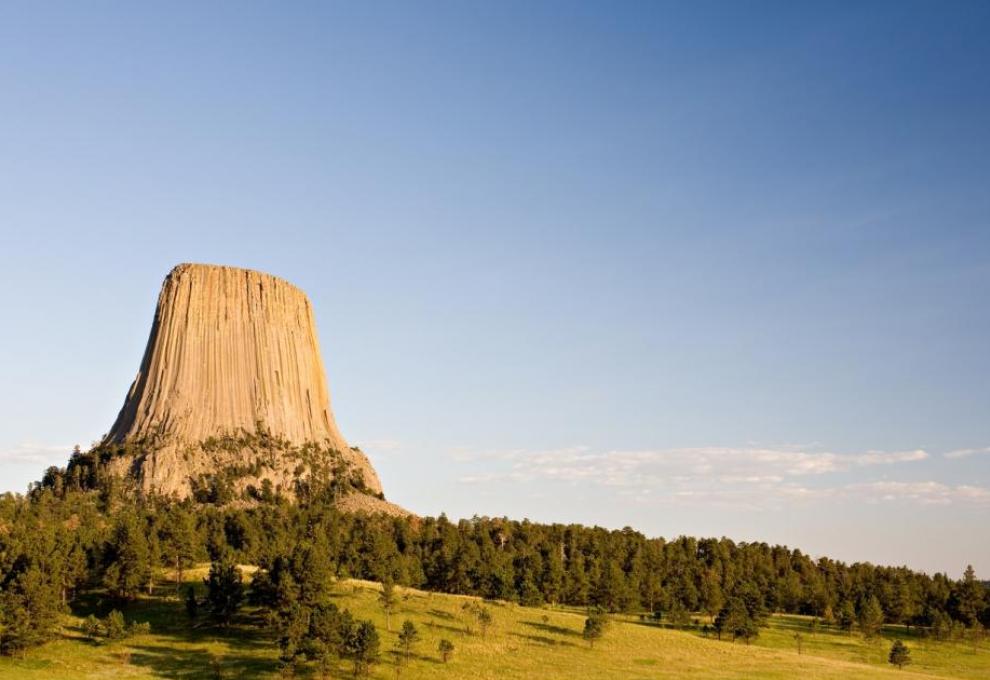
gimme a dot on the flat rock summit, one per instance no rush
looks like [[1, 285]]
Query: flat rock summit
[[231, 396]]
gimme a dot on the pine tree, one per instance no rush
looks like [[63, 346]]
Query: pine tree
[[711, 593], [735, 619], [364, 647], [871, 618], [224, 589], [408, 637], [967, 600], [900, 655], [92, 627], [30, 605], [115, 626], [313, 572], [180, 544], [847, 615], [387, 598], [577, 585], [329, 629], [484, 620], [611, 591], [552, 577], [594, 627], [127, 559], [192, 604]]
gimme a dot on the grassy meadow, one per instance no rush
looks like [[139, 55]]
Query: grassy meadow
[[522, 643]]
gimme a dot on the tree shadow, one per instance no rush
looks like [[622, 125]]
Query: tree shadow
[[441, 614], [687, 627], [248, 644], [186, 664], [543, 640], [443, 626], [398, 656], [546, 627]]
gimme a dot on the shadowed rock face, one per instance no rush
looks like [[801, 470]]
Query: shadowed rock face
[[230, 351]]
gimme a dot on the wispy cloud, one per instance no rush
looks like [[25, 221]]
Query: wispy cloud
[[381, 445], [753, 477], [966, 453], [36, 453], [766, 496], [926, 493], [639, 468]]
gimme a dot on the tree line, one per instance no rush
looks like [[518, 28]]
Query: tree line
[[62, 539]]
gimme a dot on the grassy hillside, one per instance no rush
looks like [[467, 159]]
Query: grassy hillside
[[522, 643]]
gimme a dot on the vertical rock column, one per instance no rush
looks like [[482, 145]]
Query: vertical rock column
[[229, 349]]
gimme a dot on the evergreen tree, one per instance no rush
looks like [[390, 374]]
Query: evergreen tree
[[446, 649], [329, 630], [30, 605], [576, 582], [388, 600], [712, 599], [313, 572], [363, 647], [192, 604], [735, 619], [871, 618], [967, 600], [293, 629], [115, 626], [484, 620], [594, 627], [611, 590], [552, 577], [127, 559], [847, 615], [92, 627], [180, 543], [154, 559], [408, 637], [224, 589], [900, 655]]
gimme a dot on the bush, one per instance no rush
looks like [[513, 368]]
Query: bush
[[92, 628], [900, 655], [115, 626], [594, 627]]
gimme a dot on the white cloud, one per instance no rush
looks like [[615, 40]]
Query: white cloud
[[36, 453], [965, 453], [779, 495], [381, 445], [648, 467], [926, 493], [749, 477]]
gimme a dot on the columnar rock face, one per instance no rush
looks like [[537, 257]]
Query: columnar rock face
[[231, 351], [230, 348]]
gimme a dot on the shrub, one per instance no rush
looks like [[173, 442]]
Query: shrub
[[594, 628], [900, 655], [115, 626]]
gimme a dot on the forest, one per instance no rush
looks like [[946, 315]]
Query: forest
[[66, 538]]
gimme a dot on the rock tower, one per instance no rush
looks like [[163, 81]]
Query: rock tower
[[232, 357]]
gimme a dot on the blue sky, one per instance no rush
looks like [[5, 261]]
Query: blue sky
[[699, 268]]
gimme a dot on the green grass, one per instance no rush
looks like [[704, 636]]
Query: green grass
[[520, 644], [955, 659]]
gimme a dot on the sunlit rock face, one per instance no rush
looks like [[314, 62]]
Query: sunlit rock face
[[231, 376]]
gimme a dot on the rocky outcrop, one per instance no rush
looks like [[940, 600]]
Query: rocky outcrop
[[231, 379]]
